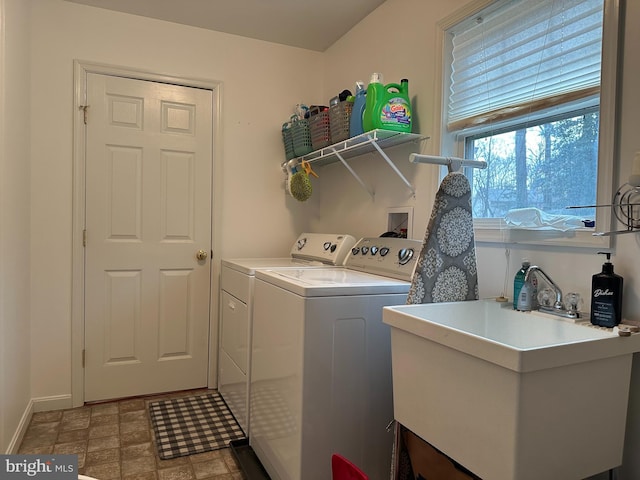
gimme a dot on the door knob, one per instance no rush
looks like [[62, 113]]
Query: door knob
[[201, 255]]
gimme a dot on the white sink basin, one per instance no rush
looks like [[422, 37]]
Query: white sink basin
[[520, 341], [511, 395]]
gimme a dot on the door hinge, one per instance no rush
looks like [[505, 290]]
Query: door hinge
[[83, 357], [84, 238], [84, 111]]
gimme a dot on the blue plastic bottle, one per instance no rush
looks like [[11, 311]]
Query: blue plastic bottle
[[518, 282], [360, 102]]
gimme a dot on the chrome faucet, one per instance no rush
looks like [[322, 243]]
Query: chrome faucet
[[558, 307], [533, 268]]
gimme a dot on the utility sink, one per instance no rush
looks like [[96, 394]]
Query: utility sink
[[511, 395]]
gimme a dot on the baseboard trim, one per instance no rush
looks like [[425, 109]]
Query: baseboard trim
[[15, 442], [41, 404], [54, 402]]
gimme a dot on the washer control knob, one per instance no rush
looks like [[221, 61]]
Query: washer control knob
[[374, 250], [384, 251], [365, 250], [355, 251], [405, 255], [301, 243], [326, 245], [333, 247]]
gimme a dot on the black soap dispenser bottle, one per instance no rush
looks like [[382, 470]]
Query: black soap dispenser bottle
[[606, 296]]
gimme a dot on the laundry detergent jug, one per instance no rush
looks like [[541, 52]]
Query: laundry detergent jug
[[387, 106], [359, 104]]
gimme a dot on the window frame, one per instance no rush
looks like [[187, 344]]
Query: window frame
[[453, 144]]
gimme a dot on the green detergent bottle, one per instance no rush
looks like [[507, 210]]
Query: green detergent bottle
[[388, 106]]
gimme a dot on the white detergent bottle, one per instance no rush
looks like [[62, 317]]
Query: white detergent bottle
[[524, 297]]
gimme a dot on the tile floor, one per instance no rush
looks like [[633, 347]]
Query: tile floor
[[114, 440]]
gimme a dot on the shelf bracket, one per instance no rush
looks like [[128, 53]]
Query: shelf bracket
[[392, 165], [351, 171]]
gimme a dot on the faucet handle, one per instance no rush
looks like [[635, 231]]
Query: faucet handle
[[546, 297], [573, 301]]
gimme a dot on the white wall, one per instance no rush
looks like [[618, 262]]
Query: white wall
[[15, 256], [628, 246], [399, 40], [261, 84]]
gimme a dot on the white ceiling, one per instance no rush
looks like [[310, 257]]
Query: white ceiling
[[310, 24]]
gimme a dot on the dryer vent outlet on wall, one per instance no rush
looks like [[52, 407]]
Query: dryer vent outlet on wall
[[400, 220]]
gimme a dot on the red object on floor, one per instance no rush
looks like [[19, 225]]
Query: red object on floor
[[343, 469]]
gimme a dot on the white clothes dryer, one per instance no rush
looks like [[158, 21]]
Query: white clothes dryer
[[321, 362], [311, 250]]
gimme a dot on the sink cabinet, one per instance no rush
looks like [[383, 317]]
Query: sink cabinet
[[554, 409]]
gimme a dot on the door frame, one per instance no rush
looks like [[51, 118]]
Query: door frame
[[81, 70]]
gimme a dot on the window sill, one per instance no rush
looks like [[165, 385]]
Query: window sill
[[488, 231]]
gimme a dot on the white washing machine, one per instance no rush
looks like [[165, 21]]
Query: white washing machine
[[312, 250], [321, 362]]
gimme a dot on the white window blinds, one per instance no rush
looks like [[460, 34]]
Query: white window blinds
[[522, 56]]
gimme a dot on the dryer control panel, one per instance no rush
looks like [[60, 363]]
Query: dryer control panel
[[387, 256], [327, 248]]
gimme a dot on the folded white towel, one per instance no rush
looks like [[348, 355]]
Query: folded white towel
[[535, 219]]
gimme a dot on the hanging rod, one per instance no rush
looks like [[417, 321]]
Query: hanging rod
[[454, 163]]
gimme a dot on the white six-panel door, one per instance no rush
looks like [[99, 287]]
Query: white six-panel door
[[148, 221]]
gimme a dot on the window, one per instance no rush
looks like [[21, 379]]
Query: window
[[525, 89], [548, 165]]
